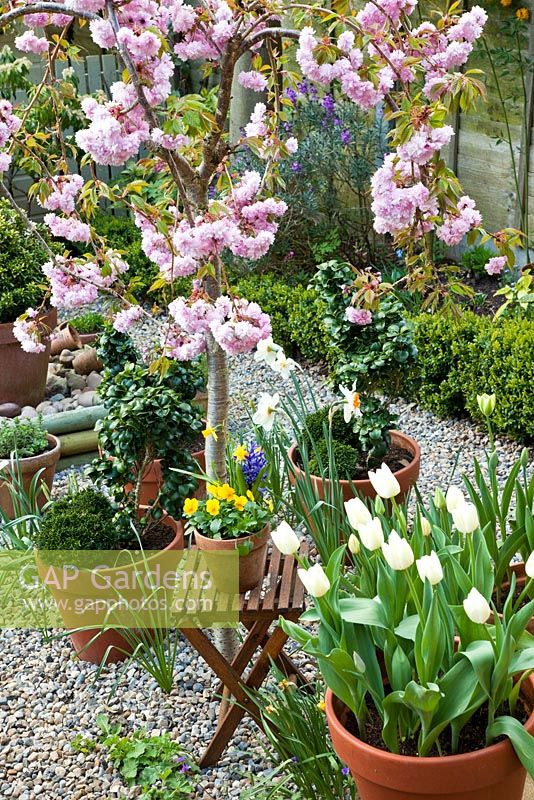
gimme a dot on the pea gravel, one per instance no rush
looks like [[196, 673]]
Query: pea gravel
[[47, 697]]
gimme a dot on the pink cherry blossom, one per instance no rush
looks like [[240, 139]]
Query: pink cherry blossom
[[64, 191], [28, 42], [495, 265], [358, 316], [28, 333], [70, 228], [127, 318], [253, 80]]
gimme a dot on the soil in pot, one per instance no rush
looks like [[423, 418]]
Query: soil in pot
[[28, 467], [251, 566]]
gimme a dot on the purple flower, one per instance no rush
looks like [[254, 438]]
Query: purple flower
[[294, 759], [292, 95], [337, 121], [329, 104], [185, 768], [345, 136], [345, 770], [296, 166], [254, 464], [358, 316], [303, 87]]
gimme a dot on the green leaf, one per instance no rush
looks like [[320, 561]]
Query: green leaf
[[522, 741]]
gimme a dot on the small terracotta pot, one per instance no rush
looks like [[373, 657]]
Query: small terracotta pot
[[23, 375], [153, 480], [28, 467], [88, 338], [251, 566], [407, 476], [120, 648], [494, 773], [68, 338], [521, 578], [87, 361]]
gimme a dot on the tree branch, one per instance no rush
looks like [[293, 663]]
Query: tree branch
[[287, 33], [36, 8]]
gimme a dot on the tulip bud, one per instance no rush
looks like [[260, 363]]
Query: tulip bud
[[357, 513], [285, 539], [529, 566], [359, 663], [465, 517], [379, 505], [398, 552], [524, 457], [486, 404], [429, 568], [353, 544], [426, 527], [372, 535], [439, 499], [384, 482], [454, 497], [315, 580], [477, 607]]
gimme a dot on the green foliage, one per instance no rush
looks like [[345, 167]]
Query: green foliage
[[21, 257], [25, 437], [116, 350], [296, 314], [476, 258], [80, 521], [149, 416], [460, 358], [346, 458], [90, 322], [157, 765]]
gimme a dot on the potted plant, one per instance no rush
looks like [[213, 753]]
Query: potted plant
[[373, 348], [24, 370], [88, 326], [26, 450], [423, 682], [236, 516], [87, 521]]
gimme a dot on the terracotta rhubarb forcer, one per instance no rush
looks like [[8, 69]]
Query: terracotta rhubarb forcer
[[23, 375], [112, 640], [251, 566], [407, 476], [494, 773], [27, 468]]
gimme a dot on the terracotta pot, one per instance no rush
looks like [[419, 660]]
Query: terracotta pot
[[27, 468], [494, 773], [153, 481], [407, 476], [23, 375], [88, 338], [68, 338], [521, 578], [121, 648], [251, 566], [86, 361]]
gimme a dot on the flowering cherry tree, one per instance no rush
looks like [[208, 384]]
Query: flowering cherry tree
[[376, 57]]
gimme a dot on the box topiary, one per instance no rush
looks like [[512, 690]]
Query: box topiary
[[80, 521]]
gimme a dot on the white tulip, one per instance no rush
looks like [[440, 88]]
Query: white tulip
[[264, 416], [429, 568], [384, 482], [529, 566], [357, 513], [477, 607], [353, 544], [285, 539], [454, 498], [426, 527], [267, 351], [315, 580], [465, 518], [398, 552], [372, 535], [283, 365], [351, 403], [359, 663]]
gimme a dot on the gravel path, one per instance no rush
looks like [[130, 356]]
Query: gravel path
[[48, 697]]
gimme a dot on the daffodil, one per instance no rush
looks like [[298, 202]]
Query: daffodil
[[522, 14], [351, 403], [210, 431], [240, 453], [321, 705], [190, 506], [250, 495], [212, 506]]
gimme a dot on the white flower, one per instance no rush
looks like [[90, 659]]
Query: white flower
[[398, 552], [384, 482], [477, 607], [486, 403], [372, 534], [267, 351], [315, 580], [454, 497], [465, 517], [357, 513], [283, 365], [351, 404], [529, 566], [292, 145], [264, 416], [429, 568], [285, 539], [426, 527], [353, 544]]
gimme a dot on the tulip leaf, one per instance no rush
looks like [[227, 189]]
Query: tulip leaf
[[482, 659], [522, 741], [522, 660], [362, 611]]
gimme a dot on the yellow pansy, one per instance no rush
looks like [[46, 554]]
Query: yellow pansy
[[209, 431], [212, 489], [212, 507], [240, 502], [190, 505], [250, 495], [506, 3], [226, 492], [240, 453], [523, 14]]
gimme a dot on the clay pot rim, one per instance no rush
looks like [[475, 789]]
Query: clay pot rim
[[417, 762], [46, 458], [49, 318], [259, 537], [399, 474]]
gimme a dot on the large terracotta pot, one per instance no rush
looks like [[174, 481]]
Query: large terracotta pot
[[23, 375], [119, 647], [494, 773], [251, 566], [27, 468], [407, 476], [521, 578], [153, 480]]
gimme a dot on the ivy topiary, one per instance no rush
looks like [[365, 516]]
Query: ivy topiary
[[80, 521], [115, 350]]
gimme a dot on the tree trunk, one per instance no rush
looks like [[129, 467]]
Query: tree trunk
[[218, 399]]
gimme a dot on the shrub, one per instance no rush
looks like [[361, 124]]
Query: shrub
[[90, 322], [459, 359], [26, 437], [116, 349], [345, 457], [80, 521], [21, 259], [476, 258]]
